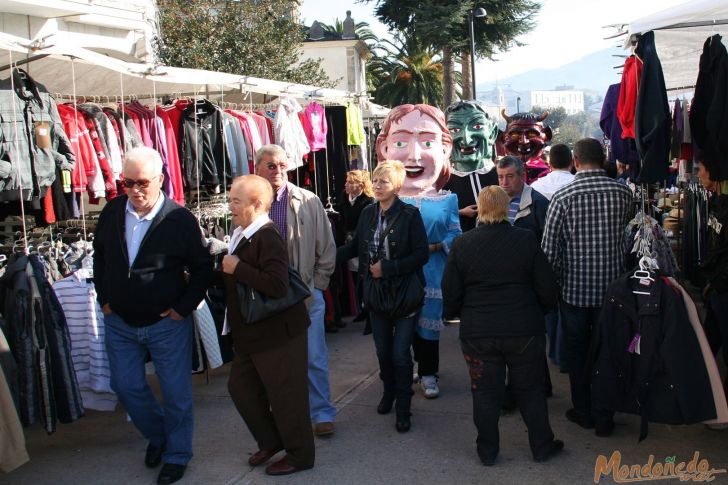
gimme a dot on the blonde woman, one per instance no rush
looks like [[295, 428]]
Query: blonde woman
[[501, 296], [402, 252]]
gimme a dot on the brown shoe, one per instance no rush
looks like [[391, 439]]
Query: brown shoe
[[323, 429], [282, 467], [261, 456]]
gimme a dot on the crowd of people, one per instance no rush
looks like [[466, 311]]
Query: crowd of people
[[526, 284]]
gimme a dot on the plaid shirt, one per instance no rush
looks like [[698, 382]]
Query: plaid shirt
[[279, 211], [584, 236]]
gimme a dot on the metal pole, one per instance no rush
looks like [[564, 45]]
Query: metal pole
[[472, 51]]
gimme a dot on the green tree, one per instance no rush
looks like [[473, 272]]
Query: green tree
[[406, 71], [556, 117], [444, 25], [256, 39]]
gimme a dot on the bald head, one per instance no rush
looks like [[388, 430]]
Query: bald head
[[250, 197]]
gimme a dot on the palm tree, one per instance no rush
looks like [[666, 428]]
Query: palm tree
[[406, 71], [361, 29]]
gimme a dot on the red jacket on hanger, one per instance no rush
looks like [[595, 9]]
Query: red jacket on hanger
[[628, 90]]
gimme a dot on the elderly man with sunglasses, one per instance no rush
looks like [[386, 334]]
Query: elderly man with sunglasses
[[144, 245]]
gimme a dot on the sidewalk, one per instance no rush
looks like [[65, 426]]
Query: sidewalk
[[103, 448]]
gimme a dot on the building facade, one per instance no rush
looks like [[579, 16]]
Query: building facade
[[572, 101]]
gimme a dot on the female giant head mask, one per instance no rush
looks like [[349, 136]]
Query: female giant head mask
[[416, 135]]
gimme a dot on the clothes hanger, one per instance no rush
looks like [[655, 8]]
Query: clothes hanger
[[643, 275]]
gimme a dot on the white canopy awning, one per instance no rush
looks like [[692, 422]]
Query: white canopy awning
[[67, 70], [680, 33]]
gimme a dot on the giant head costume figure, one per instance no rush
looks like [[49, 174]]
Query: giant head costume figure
[[473, 134], [417, 136], [525, 136]]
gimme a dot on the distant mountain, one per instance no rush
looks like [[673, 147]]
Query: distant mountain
[[594, 72]]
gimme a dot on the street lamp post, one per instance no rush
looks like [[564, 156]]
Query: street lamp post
[[518, 104], [472, 15]]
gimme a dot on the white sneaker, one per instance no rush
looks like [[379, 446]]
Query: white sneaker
[[429, 386]]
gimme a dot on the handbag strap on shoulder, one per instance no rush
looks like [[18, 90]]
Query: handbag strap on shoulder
[[382, 237]]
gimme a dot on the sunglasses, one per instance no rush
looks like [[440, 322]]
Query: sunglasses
[[142, 183]]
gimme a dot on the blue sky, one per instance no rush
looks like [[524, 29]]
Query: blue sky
[[566, 30]]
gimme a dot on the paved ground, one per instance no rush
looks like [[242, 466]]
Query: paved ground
[[103, 448]]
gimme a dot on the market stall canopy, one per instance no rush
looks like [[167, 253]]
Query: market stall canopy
[[680, 33], [68, 70]]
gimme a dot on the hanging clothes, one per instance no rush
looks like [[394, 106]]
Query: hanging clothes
[[627, 102], [38, 335], [174, 167], [85, 320], [316, 127], [649, 360], [652, 115], [289, 132], [12, 441], [202, 151], [621, 149], [709, 111], [354, 125], [33, 138]]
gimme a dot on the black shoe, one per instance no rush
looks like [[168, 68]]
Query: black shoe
[[488, 460], [549, 450], [604, 429], [403, 423], [170, 473], [385, 405], [153, 457], [583, 420], [367, 328]]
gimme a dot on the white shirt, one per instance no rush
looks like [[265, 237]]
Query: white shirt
[[240, 233], [137, 227], [549, 184]]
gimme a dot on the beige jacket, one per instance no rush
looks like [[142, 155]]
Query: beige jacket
[[12, 440], [311, 247]]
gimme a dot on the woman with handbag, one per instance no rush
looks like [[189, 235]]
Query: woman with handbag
[[268, 378], [391, 244]]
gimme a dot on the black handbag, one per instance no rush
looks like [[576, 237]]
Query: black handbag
[[255, 306], [396, 296]]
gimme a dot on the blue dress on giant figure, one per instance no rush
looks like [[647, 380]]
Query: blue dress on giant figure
[[442, 222]]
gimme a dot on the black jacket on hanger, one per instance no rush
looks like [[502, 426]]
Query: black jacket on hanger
[[709, 109], [652, 115], [202, 152], [667, 381]]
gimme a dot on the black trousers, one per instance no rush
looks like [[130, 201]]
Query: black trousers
[[487, 359], [427, 355]]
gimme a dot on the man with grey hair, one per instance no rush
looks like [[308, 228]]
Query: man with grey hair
[[144, 244], [528, 207], [301, 219]]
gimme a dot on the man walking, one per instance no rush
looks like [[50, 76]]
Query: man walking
[[144, 244], [584, 242], [301, 219]]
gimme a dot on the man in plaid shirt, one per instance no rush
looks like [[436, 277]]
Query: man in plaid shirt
[[584, 241]]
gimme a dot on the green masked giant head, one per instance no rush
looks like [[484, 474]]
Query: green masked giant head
[[474, 134]]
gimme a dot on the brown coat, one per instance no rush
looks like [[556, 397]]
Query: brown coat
[[264, 267]]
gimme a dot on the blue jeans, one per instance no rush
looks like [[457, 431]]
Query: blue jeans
[[319, 395], [579, 324], [393, 339], [169, 343]]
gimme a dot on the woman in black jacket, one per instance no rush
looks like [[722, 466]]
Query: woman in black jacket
[[357, 195], [403, 253], [500, 295]]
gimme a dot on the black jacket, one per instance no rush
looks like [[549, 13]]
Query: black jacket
[[202, 153], [709, 109], [652, 115], [499, 282], [350, 212], [667, 382], [715, 266], [406, 241], [156, 280]]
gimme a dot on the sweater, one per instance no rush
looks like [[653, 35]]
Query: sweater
[[501, 292], [155, 282]]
